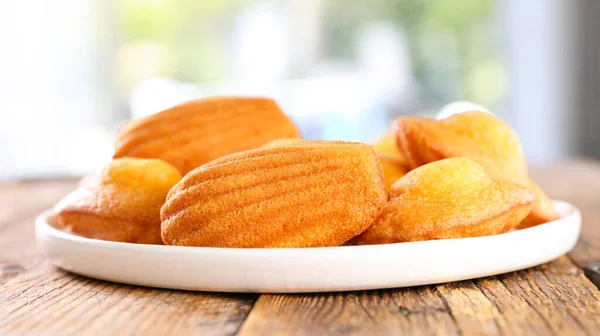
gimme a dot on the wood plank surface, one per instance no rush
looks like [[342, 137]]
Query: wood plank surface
[[46, 300], [36, 298], [578, 183], [555, 298]]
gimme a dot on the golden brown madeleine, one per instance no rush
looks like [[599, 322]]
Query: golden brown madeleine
[[544, 208], [386, 144], [451, 198], [476, 135], [121, 203], [196, 132], [305, 194], [393, 169]]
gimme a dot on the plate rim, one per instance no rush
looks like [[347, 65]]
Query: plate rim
[[283, 265], [42, 226]]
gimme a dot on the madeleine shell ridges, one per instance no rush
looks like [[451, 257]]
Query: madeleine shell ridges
[[193, 133], [305, 194], [478, 136]]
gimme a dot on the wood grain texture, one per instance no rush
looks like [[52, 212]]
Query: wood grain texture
[[36, 298], [555, 298], [587, 256], [21, 203], [45, 300], [24, 199], [579, 183]]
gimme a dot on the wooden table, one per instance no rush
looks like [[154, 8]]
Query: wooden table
[[560, 297]]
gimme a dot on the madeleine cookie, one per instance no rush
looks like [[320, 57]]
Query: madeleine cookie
[[451, 198], [478, 136], [393, 169], [121, 203], [386, 145], [196, 132], [304, 194]]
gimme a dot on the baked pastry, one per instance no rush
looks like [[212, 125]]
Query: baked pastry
[[393, 161], [476, 135], [542, 211], [121, 203], [386, 144], [393, 169], [304, 194], [196, 132], [451, 198]]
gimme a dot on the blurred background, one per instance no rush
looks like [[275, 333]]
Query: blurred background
[[72, 71]]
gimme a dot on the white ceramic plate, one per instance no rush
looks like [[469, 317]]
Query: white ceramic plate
[[311, 269]]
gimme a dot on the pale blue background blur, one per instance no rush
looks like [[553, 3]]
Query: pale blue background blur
[[72, 71]]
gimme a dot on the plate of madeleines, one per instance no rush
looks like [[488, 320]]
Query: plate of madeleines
[[223, 194]]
